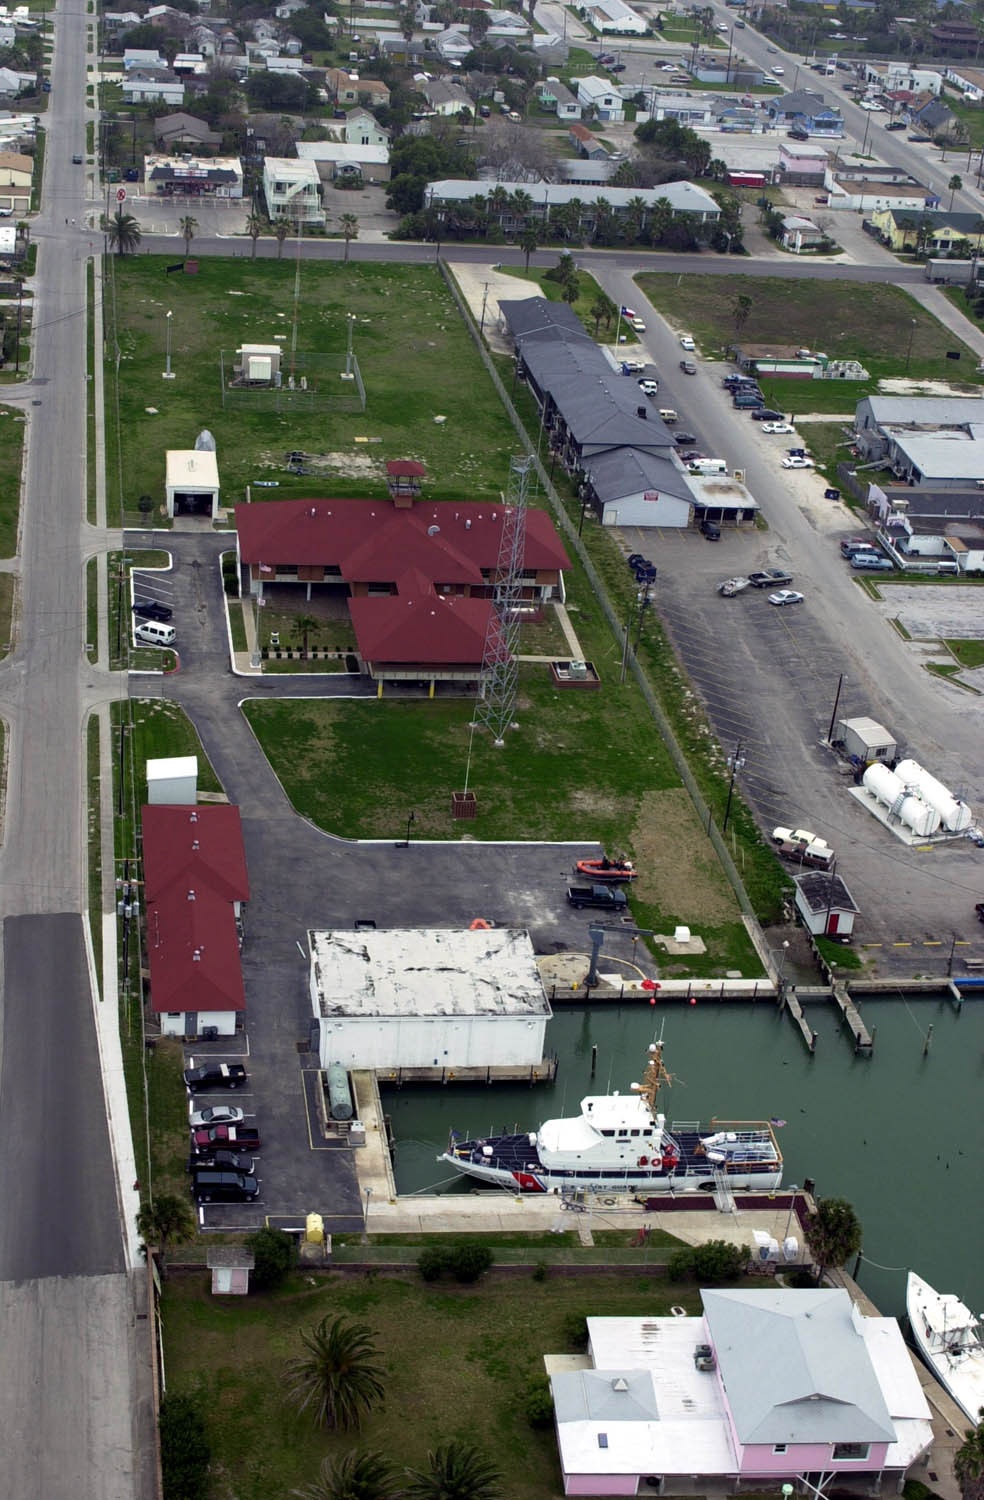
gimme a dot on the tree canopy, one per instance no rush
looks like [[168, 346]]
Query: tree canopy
[[833, 1233]]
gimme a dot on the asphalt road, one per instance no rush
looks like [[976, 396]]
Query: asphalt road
[[72, 1402]]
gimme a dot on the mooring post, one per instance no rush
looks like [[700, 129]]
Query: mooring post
[[929, 1038]]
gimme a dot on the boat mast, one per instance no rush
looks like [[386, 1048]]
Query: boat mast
[[655, 1077]]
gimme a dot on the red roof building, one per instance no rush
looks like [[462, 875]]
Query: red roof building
[[195, 885], [417, 575]]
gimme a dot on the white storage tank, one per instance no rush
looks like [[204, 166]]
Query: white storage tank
[[902, 802], [954, 814]]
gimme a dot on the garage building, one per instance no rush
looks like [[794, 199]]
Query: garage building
[[428, 998], [191, 483]]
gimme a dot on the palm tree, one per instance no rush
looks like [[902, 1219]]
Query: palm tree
[[349, 226], [254, 228], [164, 1219], [528, 240], [124, 232], [281, 229], [337, 1376], [968, 1462], [597, 311], [455, 1471], [305, 624], [833, 1233], [954, 185], [187, 226], [354, 1476]]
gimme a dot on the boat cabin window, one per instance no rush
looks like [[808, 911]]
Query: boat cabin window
[[608, 1132]]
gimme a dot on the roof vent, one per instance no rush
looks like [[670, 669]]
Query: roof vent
[[468, 524], [191, 895], [433, 530], [194, 845], [193, 818], [620, 1383], [196, 957]]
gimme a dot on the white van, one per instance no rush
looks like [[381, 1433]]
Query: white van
[[707, 466], [668, 415], [153, 633]]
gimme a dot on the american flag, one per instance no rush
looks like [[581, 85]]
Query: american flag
[[266, 568], [777, 1122]]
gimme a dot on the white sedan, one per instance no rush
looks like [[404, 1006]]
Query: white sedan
[[786, 596], [218, 1114], [779, 72], [798, 463], [774, 428], [636, 324], [686, 341]]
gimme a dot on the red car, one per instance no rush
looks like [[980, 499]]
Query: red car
[[225, 1138]]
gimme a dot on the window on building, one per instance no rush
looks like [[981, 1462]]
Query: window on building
[[779, 1447], [855, 1451]]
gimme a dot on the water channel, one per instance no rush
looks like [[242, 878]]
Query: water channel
[[899, 1135]]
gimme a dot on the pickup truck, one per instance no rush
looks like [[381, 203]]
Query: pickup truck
[[770, 578], [225, 1138], [610, 898], [215, 1076]]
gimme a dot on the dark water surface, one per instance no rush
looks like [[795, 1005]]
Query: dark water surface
[[900, 1136]]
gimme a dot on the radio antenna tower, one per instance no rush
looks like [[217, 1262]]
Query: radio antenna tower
[[500, 670]]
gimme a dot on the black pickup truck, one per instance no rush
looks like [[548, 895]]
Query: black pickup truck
[[609, 898], [215, 1076]]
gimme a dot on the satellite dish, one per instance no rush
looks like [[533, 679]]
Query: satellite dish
[[205, 442], [433, 530]]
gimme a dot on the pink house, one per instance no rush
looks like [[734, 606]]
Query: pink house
[[768, 1388]]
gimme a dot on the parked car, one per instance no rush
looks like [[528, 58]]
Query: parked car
[[769, 577], [786, 596], [686, 342], [766, 414], [778, 71], [637, 324], [634, 559], [871, 562], [851, 544], [745, 400], [152, 609], [77, 159], [215, 1076], [616, 67], [688, 367], [216, 1114], [710, 530], [775, 428], [633, 366], [649, 387], [979, 908], [210, 1186], [798, 135], [684, 439], [894, 124], [797, 836], [225, 1161], [796, 461]]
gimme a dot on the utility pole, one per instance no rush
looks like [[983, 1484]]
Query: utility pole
[[833, 716], [735, 761]]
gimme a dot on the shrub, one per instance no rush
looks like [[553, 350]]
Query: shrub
[[575, 1328], [468, 1262], [540, 1271], [432, 1262], [681, 1264], [538, 1402], [185, 1452], [273, 1253], [717, 1261]]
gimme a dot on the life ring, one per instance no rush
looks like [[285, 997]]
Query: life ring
[[643, 1161], [609, 1202], [669, 1160], [479, 924]]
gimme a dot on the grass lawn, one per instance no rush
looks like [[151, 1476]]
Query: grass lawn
[[461, 1372], [160, 729], [11, 459], [414, 352], [968, 653], [870, 323]]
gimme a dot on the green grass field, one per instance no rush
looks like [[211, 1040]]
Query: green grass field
[[871, 323], [416, 358], [11, 460], [457, 1362]]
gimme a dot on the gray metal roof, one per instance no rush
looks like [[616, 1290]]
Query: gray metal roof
[[626, 471], [536, 317], [823, 891], [936, 411], [604, 1396], [796, 1367], [683, 197]]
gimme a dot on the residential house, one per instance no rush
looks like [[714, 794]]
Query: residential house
[[799, 234], [932, 117], [507, 26], [292, 189], [798, 1388], [955, 39], [692, 110], [803, 163], [868, 189], [341, 86], [203, 40], [445, 96], [614, 17], [932, 231], [195, 893], [601, 96], [417, 577], [372, 92], [626, 487], [265, 30], [282, 64], [452, 45], [969, 80], [363, 129], [13, 83], [807, 110], [193, 177], [190, 65], [120, 20], [557, 96], [149, 85], [350, 162], [142, 57], [16, 176], [288, 8], [932, 441], [892, 76], [586, 144], [186, 130]]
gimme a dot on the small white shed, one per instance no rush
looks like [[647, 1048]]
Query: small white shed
[[825, 904], [867, 739], [430, 998], [191, 482], [173, 781]]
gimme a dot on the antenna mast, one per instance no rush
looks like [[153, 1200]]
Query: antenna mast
[[500, 670]]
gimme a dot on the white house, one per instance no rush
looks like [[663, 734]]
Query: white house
[[427, 998], [613, 16], [146, 85], [363, 129], [339, 159], [191, 482], [453, 45], [901, 75], [597, 93], [292, 188], [142, 57]]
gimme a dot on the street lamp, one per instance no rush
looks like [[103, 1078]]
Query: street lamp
[[908, 352], [735, 761], [405, 843], [167, 361]]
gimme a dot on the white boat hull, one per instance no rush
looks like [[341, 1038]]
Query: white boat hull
[[540, 1180], [956, 1357]]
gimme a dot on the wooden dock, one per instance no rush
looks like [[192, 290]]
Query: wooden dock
[[863, 1041], [788, 1000], [541, 1072]]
